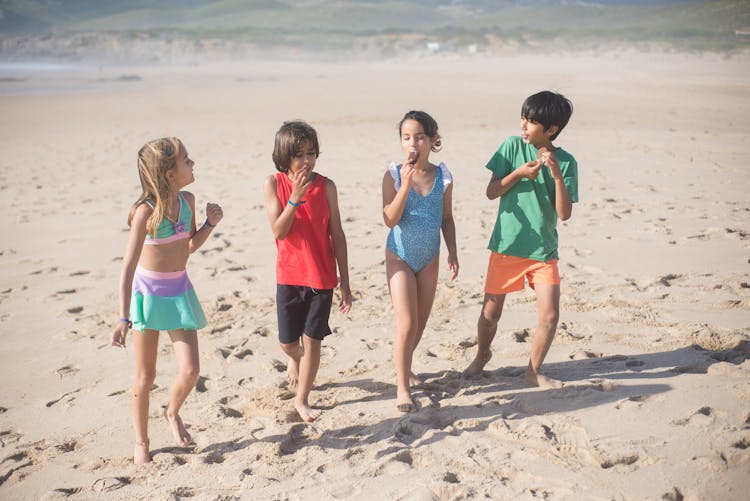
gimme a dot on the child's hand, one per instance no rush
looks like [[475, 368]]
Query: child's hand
[[407, 175], [453, 266], [300, 182], [118, 335], [530, 169], [346, 299], [549, 159], [213, 214]]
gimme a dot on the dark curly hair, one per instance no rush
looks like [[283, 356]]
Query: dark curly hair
[[428, 123]]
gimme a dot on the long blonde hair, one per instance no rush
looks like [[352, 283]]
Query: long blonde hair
[[155, 159]]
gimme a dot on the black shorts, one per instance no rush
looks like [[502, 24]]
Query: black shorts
[[302, 310]]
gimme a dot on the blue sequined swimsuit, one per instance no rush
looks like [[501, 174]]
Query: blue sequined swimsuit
[[416, 237]]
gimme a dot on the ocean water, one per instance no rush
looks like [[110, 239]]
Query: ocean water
[[33, 77], [15, 67]]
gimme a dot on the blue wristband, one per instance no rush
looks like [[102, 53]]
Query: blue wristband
[[295, 204]]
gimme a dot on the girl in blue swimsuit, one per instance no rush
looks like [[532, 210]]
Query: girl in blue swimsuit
[[417, 205]]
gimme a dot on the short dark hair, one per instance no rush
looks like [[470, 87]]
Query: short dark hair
[[289, 140], [428, 123], [548, 108]]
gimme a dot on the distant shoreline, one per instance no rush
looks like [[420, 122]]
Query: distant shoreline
[[149, 48]]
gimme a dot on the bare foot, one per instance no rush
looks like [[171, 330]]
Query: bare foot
[[292, 374], [542, 381], [404, 403], [414, 380], [141, 454], [307, 413], [181, 436], [477, 365]]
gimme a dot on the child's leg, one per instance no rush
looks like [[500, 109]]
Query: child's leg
[[308, 369], [492, 309], [427, 279], [146, 344], [403, 288], [185, 345], [548, 310], [294, 351]]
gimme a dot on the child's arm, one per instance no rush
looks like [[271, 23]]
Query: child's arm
[[213, 216], [449, 231], [498, 187], [339, 245], [563, 204], [395, 201], [282, 217], [132, 254]]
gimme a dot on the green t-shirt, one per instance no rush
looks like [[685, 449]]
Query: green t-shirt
[[526, 223]]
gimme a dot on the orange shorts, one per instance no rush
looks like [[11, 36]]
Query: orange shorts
[[506, 273]]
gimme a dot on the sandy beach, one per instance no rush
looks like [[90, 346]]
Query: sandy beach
[[654, 335]]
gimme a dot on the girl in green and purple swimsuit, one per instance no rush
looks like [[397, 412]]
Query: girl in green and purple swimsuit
[[155, 291]]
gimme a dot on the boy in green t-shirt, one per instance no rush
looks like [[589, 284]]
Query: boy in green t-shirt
[[537, 183]]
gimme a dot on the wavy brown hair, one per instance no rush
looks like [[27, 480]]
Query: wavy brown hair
[[155, 159]]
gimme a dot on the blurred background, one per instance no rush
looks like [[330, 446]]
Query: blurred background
[[177, 31]]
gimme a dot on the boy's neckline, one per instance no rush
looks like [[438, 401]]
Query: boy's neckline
[[550, 148]]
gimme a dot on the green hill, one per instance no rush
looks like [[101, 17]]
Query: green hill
[[681, 24]]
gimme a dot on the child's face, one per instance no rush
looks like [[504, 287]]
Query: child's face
[[182, 174], [305, 158], [533, 133], [414, 140]]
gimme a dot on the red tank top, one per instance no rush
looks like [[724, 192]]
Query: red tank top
[[305, 255]]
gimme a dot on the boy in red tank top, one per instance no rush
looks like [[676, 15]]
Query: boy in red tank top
[[302, 207]]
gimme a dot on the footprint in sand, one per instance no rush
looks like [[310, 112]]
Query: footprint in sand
[[400, 463], [39, 272], [65, 447], [521, 336], [626, 460], [66, 398], [110, 484], [15, 463], [236, 351], [361, 366], [66, 370], [704, 415], [181, 492], [221, 328], [294, 440], [583, 354], [260, 331], [200, 386], [8, 437], [213, 458], [602, 385], [451, 478], [68, 491], [673, 495], [633, 402]]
